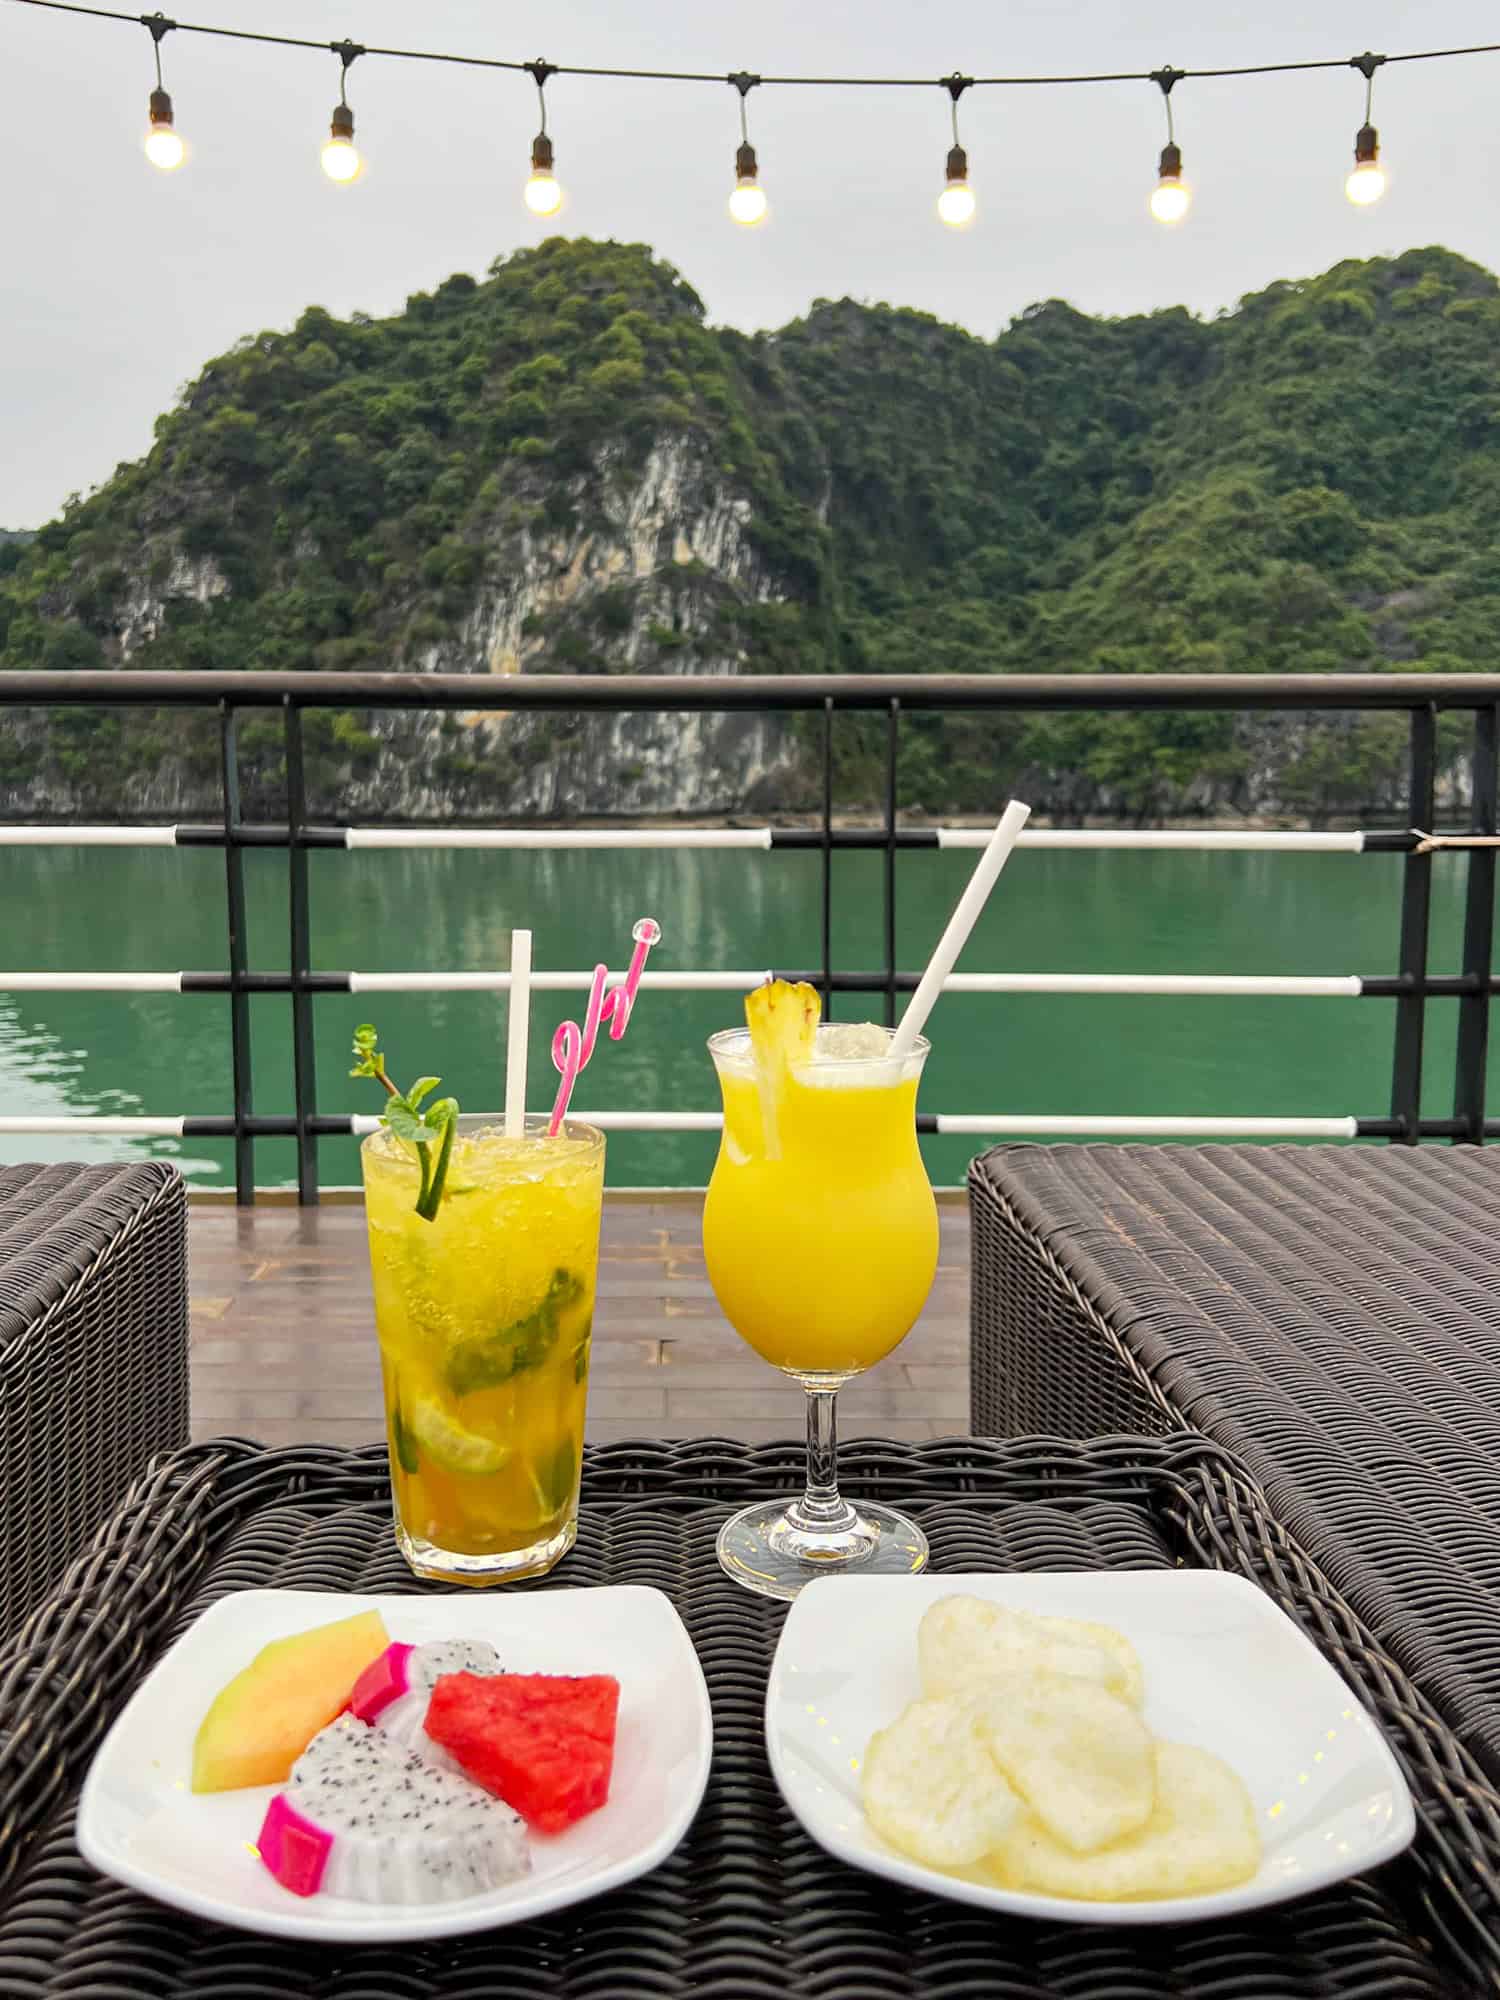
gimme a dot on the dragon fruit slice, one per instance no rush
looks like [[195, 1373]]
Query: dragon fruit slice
[[393, 1691], [363, 1818]]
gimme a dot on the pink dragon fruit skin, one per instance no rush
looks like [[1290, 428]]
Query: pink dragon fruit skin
[[363, 1818], [382, 1682], [295, 1851], [393, 1692]]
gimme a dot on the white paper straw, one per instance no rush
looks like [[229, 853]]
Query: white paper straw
[[963, 920], [518, 1034]]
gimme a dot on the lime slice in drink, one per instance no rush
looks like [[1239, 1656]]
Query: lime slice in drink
[[449, 1445], [552, 1474]]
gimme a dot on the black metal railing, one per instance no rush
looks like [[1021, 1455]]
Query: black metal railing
[[1422, 697]]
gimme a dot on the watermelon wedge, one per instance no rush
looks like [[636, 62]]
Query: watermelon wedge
[[545, 1743]]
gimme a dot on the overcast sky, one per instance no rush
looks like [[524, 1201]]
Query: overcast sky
[[120, 282]]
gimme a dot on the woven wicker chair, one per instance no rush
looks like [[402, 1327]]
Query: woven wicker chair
[[1330, 1314], [93, 1354]]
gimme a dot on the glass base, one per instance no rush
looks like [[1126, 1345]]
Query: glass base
[[765, 1551], [503, 1566]]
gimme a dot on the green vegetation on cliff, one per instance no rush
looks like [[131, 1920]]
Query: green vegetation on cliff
[[1309, 483]]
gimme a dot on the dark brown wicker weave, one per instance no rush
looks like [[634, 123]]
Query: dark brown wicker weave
[[93, 1354], [1331, 1314], [748, 1908]]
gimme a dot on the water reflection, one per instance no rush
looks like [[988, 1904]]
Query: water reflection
[[402, 910], [41, 1076]]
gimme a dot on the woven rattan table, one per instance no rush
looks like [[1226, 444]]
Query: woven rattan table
[[1330, 1313], [748, 1908]]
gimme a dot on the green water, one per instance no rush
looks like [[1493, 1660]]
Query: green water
[[164, 1054]]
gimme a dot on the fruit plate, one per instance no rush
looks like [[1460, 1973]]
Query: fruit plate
[[1224, 1669], [139, 1822]]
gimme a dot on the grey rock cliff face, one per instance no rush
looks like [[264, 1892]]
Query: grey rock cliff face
[[678, 538], [669, 539], [143, 610]]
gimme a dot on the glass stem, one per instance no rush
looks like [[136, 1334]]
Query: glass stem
[[821, 1510]]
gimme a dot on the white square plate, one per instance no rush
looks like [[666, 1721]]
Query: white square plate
[[1224, 1669], [139, 1822]]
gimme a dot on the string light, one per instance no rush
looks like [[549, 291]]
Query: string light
[[1169, 201], [747, 204], [1171, 198], [542, 194], [1367, 181], [340, 156], [163, 143], [955, 205]]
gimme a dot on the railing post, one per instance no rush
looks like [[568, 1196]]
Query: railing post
[[828, 857], [303, 1072], [1479, 936], [1416, 898], [892, 746], [239, 1000]]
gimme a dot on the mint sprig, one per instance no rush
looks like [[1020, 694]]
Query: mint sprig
[[426, 1130]]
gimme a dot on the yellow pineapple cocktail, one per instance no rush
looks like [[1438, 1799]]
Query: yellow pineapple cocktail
[[821, 1238], [484, 1316], [823, 1255]]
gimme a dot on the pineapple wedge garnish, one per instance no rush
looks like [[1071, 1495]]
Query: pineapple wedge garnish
[[783, 1022]]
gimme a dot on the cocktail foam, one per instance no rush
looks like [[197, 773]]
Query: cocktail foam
[[847, 1055], [850, 1041]]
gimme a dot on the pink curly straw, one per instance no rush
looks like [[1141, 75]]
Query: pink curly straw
[[572, 1046]]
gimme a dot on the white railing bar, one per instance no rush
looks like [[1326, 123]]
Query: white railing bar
[[607, 1121], [652, 1121], [1152, 1128], [1205, 839], [1000, 1124], [502, 836], [1166, 984], [1246, 839], [1222, 985], [90, 982], [124, 1128], [604, 839], [88, 836], [547, 982]]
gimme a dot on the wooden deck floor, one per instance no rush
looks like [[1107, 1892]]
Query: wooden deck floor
[[283, 1345]]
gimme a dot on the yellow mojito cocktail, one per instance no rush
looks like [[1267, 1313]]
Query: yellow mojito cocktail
[[821, 1239], [484, 1315]]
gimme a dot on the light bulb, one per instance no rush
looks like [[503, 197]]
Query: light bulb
[[340, 155], [543, 195], [1366, 183], [341, 160], [164, 147], [1171, 199], [748, 204], [956, 204]]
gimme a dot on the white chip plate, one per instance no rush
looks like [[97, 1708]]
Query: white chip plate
[[1224, 1669]]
